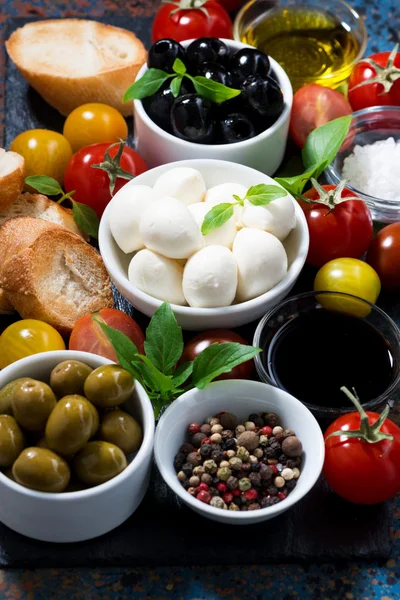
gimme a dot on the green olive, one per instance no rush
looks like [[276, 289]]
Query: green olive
[[42, 470], [108, 386], [68, 378], [32, 403], [119, 428], [11, 440], [72, 423], [98, 462], [6, 394]]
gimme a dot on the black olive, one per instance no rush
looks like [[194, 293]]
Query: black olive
[[215, 72], [192, 119], [158, 106], [207, 49], [163, 53], [264, 96], [236, 127], [248, 62]]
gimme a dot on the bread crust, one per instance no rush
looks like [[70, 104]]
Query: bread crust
[[12, 181]]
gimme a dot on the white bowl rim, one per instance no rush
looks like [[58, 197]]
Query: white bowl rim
[[289, 279], [284, 83], [144, 450], [177, 488]]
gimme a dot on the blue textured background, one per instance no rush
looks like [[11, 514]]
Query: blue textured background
[[361, 581]]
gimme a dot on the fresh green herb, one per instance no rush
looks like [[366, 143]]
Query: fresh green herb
[[178, 67], [84, 216], [259, 195], [147, 85], [164, 347], [212, 90]]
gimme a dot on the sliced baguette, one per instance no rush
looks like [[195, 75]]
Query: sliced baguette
[[50, 273], [12, 175], [73, 61], [6, 308]]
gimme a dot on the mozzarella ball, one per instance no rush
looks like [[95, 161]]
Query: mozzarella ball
[[210, 278], [183, 183], [224, 193], [277, 218], [157, 276], [126, 211], [261, 260], [169, 228], [223, 236]]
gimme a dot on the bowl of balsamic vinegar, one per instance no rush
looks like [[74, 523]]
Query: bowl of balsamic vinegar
[[315, 343]]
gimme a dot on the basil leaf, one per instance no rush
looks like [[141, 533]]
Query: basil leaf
[[147, 85], [262, 195], [176, 85], [295, 185], [182, 373], [164, 341], [212, 90], [324, 142], [160, 381], [44, 185], [220, 358], [179, 67], [125, 349], [86, 218], [216, 217]]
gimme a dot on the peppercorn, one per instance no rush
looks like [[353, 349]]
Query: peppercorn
[[274, 468], [288, 432], [233, 506], [224, 464], [266, 472], [205, 451], [202, 487], [249, 440], [210, 466], [217, 454], [204, 497], [280, 437], [271, 490], [214, 421], [296, 473], [187, 468], [199, 470], [186, 484], [181, 476], [244, 484], [291, 484], [258, 453], [243, 453], [281, 495], [230, 454], [194, 481], [232, 482], [207, 478], [206, 429], [230, 444], [216, 438], [255, 479], [249, 426], [227, 497], [277, 430], [192, 491], [256, 419], [235, 463], [269, 501], [263, 440], [292, 446], [240, 429], [222, 487], [250, 495], [226, 434], [216, 429], [224, 473], [206, 441], [269, 452], [179, 461], [194, 458], [213, 491], [271, 419], [282, 459], [266, 431], [197, 439], [194, 428], [186, 448], [217, 502], [228, 420], [253, 506], [279, 481], [287, 474], [253, 460], [215, 480]]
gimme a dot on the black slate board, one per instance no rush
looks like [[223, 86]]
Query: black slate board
[[321, 527]]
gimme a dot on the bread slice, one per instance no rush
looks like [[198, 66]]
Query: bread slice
[[50, 273], [6, 308], [12, 175], [40, 207], [74, 61]]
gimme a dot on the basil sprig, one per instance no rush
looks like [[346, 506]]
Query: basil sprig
[[83, 215], [155, 369], [153, 79]]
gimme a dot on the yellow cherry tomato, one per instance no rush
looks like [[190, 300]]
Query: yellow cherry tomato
[[45, 152], [350, 276], [27, 337], [94, 123]]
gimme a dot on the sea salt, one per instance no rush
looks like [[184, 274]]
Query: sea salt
[[374, 169]]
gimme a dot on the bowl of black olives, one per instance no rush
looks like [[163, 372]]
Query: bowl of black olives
[[76, 441], [211, 98]]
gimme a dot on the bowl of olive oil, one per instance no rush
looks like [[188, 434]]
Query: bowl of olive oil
[[313, 40]]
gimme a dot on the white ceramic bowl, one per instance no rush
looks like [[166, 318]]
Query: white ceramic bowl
[[214, 173], [242, 398], [263, 152], [81, 515]]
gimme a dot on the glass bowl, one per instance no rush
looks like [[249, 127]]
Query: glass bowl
[[368, 126], [273, 323], [256, 12]]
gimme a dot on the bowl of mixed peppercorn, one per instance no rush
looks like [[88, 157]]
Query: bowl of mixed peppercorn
[[239, 451]]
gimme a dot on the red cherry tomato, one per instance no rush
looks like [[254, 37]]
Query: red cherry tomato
[[189, 22], [359, 471], [384, 256], [373, 94], [88, 336], [345, 232], [313, 106], [92, 186], [197, 344]]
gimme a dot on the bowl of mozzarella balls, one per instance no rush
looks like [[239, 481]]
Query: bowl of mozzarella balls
[[156, 248]]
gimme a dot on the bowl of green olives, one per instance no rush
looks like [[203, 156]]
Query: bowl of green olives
[[76, 438]]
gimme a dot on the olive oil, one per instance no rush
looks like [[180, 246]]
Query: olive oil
[[311, 45]]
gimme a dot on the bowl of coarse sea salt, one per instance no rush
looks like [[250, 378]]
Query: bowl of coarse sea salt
[[369, 160]]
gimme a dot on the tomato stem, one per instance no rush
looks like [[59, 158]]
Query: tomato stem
[[112, 166], [386, 76]]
